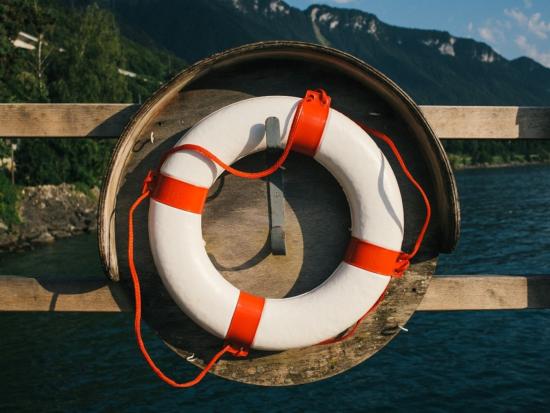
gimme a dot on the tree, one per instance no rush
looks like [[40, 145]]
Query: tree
[[87, 71], [22, 72]]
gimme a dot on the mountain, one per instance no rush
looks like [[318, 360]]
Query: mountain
[[434, 67]]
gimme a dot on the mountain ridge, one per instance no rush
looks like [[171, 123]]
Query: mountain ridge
[[433, 66]]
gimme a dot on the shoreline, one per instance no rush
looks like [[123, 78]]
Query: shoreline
[[500, 165], [47, 213]]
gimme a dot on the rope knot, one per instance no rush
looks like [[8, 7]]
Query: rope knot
[[403, 262], [325, 99], [237, 351], [149, 182], [318, 94]]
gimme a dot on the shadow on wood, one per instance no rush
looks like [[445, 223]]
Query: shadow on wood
[[538, 292], [533, 122]]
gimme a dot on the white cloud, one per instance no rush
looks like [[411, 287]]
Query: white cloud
[[493, 32], [539, 27], [528, 4], [532, 51], [517, 15], [487, 34], [343, 1], [470, 27], [534, 23]]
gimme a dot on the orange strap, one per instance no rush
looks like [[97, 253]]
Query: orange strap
[[179, 194], [309, 123], [245, 321], [376, 259]]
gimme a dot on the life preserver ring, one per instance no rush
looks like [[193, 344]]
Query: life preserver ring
[[373, 256]]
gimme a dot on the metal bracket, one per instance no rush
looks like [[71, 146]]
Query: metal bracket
[[275, 189]]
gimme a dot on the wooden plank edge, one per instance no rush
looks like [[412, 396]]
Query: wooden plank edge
[[445, 293], [64, 120], [99, 120], [488, 122]]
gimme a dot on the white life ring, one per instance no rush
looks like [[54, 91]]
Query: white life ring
[[371, 188]]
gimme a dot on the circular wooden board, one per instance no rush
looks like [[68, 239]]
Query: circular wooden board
[[236, 220]]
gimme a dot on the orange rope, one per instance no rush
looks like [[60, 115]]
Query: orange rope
[[406, 257], [137, 317], [415, 183], [146, 192], [241, 174]]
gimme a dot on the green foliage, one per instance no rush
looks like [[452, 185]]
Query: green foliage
[[471, 152], [158, 65], [79, 60], [55, 161], [8, 201], [22, 76], [87, 71], [4, 148], [85, 189]]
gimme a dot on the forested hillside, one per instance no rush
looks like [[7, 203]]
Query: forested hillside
[[77, 57], [434, 67]]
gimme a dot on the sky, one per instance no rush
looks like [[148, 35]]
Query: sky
[[512, 27]]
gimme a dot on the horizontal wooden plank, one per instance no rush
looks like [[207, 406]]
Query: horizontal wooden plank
[[489, 122], [86, 295], [487, 293], [449, 293], [67, 120], [99, 120]]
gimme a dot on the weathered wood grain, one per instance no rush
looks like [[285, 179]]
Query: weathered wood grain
[[487, 293], [67, 120], [489, 122], [62, 295], [99, 120], [445, 293]]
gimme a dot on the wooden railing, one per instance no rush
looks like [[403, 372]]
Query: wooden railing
[[491, 292], [100, 120]]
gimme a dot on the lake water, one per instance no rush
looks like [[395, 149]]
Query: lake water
[[475, 361]]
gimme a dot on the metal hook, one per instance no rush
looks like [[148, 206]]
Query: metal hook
[[275, 190]]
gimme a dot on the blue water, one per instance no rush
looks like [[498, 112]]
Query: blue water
[[474, 361]]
